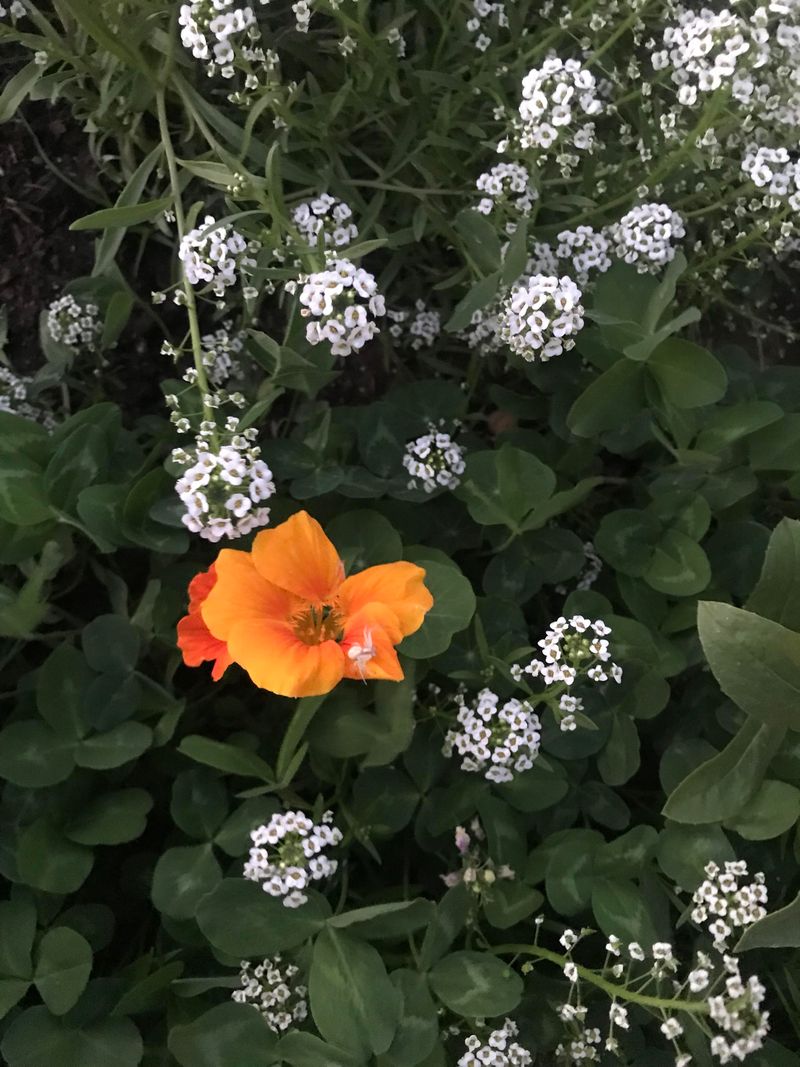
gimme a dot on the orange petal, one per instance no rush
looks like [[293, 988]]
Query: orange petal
[[299, 557], [375, 626], [399, 586], [240, 593], [278, 661], [194, 638]]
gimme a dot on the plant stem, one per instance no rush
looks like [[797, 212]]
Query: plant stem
[[621, 992]]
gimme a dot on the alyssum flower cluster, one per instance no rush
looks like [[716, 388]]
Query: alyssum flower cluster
[[288, 854], [342, 303]]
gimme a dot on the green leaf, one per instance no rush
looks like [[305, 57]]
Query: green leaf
[[773, 810], [111, 818], [182, 877], [627, 540], [61, 687], [727, 425], [479, 296], [620, 908], [775, 448], [36, 1038], [23, 500], [112, 218], [570, 870], [363, 539], [453, 608], [481, 240], [12, 990], [233, 836], [684, 851], [723, 786], [780, 929], [17, 931], [243, 921], [476, 984], [353, 1003], [111, 643], [17, 88], [63, 968], [396, 919], [611, 400], [199, 803], [501, 487], [688, 375], [103, 752], [47, 860], [301, 1049], [226, 757], [777, 594], [33, 755], [679, 566], [419, 1023], [448, 921], [619, 760], [229, 1033], [510, 902], [756, 662]]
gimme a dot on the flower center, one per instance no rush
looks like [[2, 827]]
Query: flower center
[[317, 623]]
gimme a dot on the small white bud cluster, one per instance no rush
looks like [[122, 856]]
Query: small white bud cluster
[[494, 739], [288, 854], [724, 904], [418, 328], [587, 251], [14, 398], [557, 100], [331, 296], [435, 459], [74, 324], [220, 351], [774, 171], [478, 872], [509, 185], [707, 49], [16, 10], [325, 219], [271, 988], [497, 1050], [482, 12], [645, 236], [541, 317], [216, 255], [224, 488]]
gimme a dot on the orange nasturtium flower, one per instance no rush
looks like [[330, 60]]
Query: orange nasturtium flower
[[286, 613]]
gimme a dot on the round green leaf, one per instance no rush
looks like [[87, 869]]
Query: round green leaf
[[689, 376], [626, 539], [111, 643], [774, 809], [364, 539], [476, 984], [684, 851], [63, 968], [199, 803], [679, 566], [33, 755], [453, 608], [620, 909], [183, 876], [111, 818], [227, 1034], [47, 860], [125, 742], [243, 921], [36, 1038]]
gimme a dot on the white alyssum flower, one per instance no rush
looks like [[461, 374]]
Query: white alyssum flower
[[495, 739], [587, 251], [288, 854], [774, 171], [327, 220], [507, 184], [418, 328], [737, 1012], [220, 351], [435, 459], [707, 49], [74, 324], [726, 904], [559, 101], [14, 398], [211, 29], [498, 1049], [271, 987], [541, 317], [572, 649], [216, 255], [223, 490], [342, 301], [484, 11], [646, 236]]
